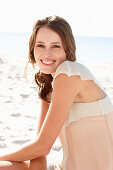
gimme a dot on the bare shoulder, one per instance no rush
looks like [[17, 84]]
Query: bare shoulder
[[66, 87]]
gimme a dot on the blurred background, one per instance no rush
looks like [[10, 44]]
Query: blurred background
[[92, 26]]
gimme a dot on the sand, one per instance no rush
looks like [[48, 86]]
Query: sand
[[20, 105]]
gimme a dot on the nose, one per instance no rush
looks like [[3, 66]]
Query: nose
[[47, 52]]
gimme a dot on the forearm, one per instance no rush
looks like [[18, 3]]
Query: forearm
[[28, 151]]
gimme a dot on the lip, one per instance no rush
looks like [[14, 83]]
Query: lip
[[48, 60]]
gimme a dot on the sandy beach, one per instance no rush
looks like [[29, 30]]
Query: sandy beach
[[20, 105]]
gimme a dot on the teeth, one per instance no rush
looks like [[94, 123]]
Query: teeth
[[48, 62]]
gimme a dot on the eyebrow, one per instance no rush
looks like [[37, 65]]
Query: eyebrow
[[51, 43]]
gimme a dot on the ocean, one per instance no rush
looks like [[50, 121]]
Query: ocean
[[13, 45]]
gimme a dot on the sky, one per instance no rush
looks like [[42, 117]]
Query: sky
[[86, 17]]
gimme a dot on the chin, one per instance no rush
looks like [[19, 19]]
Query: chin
[[46, 72]]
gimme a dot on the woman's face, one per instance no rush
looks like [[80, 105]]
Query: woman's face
[[48, 50]]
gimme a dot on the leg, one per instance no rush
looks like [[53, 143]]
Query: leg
[[7, 165], [35, 164], [38, 164]]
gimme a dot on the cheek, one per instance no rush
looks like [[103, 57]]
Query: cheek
[[62, 54]]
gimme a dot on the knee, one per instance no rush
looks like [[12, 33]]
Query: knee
[[38, 164]]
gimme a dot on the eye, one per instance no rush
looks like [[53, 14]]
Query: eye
[[40, 45], [56, 46]]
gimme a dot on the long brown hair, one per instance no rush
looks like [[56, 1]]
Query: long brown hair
[[62, 27]]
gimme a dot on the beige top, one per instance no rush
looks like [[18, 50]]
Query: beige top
[[78, 111]]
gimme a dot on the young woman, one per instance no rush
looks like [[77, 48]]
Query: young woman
[[73, 106]]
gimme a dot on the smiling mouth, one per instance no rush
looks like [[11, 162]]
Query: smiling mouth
[[48, 62]]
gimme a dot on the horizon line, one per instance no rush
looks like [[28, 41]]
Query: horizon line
[[77, 35]]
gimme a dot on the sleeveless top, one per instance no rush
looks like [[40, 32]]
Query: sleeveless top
[[80, 110]]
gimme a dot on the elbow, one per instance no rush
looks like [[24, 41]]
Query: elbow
[[43, 151], [46, 151], [42, 148]]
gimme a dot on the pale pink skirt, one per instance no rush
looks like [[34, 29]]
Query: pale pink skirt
[[91, 146]]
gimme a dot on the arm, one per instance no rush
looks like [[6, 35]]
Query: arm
[[62, 99], [43, 111]]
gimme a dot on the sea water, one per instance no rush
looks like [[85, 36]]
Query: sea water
[[14, 45], [95, 48]]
